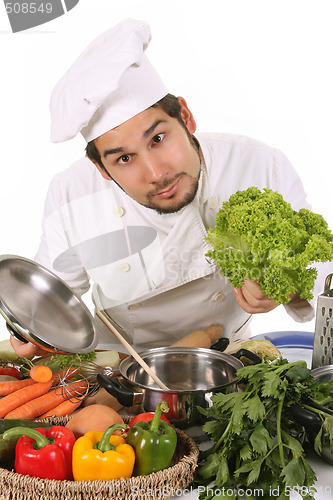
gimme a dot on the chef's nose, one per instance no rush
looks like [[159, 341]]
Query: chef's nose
[[155, 169]]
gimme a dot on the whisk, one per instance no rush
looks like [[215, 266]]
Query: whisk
[[89, 370], [80, 370]]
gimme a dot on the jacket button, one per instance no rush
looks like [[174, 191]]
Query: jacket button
[[133, 307], [124, 267], [118, 211], [213, 203], [219, 297]]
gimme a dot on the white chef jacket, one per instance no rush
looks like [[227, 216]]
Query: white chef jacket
[[149, 271]]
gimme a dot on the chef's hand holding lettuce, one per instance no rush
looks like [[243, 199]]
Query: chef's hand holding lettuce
[[259, 237]]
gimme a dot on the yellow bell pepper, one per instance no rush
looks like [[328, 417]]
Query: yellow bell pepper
[[98, 455]]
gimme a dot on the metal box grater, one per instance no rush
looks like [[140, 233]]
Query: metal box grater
[[323, 336]]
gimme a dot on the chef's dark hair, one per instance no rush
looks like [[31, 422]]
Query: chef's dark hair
[[169, 104]]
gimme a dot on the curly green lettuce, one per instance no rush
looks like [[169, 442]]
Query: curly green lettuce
[[258, 236]]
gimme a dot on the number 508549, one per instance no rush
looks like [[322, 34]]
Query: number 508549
[[28, 7]]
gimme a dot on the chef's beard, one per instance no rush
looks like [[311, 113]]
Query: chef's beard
[[187, 198]]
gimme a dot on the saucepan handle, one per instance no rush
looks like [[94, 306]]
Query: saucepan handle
[[221, 344], [310, 420], [248, 354], [15, 334], [124, 396], [11, 323]]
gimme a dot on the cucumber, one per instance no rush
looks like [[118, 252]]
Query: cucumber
[[7, 448]]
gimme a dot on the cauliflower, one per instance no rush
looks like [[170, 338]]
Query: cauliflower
[[264, 348]]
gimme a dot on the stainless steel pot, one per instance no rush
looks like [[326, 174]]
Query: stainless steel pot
[[323, 373], [193, 375]]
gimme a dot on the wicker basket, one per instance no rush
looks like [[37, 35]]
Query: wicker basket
[[163, 484]]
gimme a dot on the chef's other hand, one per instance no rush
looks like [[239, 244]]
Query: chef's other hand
[[27, 350], [252, 300]]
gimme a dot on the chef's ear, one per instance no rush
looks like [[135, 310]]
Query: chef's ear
[[187, 116], [101, 169], [104, 172]]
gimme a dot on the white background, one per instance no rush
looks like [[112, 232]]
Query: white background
[[262, 68]]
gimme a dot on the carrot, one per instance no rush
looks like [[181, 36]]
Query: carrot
[[61, 410], [40, 373], [65, 374], [16, 399], [39, 405], [9, 387]]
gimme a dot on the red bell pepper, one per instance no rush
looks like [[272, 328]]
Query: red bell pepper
[[43, 453], [145, 417], [12, 371], [171, 399]]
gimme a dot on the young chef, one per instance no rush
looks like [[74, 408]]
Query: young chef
[[131, 216]]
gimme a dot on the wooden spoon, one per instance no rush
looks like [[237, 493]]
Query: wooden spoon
[[132, 351]]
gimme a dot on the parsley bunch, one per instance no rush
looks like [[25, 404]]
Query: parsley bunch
[[260, 237], [257, 442], [56, 362], [61, 361]]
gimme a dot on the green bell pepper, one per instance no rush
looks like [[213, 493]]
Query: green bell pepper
[[154, 443]]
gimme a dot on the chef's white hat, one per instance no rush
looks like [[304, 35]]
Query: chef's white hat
[[110, 82]]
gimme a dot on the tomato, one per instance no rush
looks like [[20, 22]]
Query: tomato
[[145, 417], [10, 370]]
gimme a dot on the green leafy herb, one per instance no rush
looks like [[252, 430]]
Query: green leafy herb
[[58, 361], [257, 443], [260, 237]]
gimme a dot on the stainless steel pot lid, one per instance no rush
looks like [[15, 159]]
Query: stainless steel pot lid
[[43, 309]]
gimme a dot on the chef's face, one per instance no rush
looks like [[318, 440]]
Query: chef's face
[[153, 158]]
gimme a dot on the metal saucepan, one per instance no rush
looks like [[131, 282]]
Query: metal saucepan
[[311, 420], [41, 308], [192, 374]]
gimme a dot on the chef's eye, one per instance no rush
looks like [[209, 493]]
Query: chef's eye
[[158, 138], [124, 159]]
